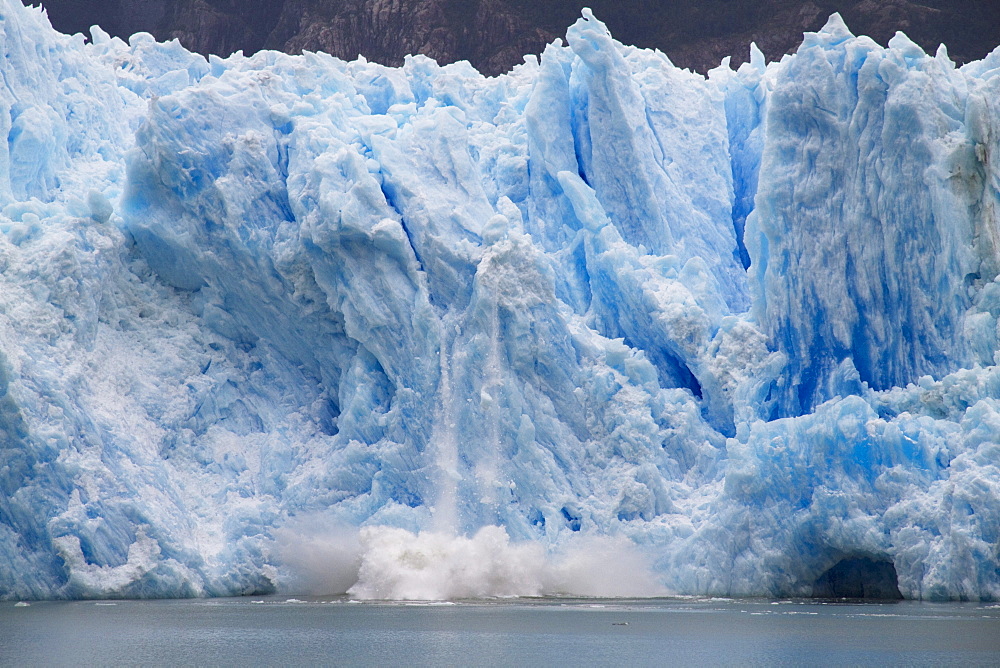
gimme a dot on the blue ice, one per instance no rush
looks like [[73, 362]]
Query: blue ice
[[276, 315]]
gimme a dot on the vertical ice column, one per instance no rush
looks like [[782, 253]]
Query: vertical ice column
[[621, 168], [653, 145], [862, 252]]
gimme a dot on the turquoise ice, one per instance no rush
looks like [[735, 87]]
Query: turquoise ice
[[744, 326]]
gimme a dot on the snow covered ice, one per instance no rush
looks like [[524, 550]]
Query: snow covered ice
[[280, 322]]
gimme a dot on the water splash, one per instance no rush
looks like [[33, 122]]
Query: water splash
[[388, 563]]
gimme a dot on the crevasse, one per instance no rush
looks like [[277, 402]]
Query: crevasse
[[744, 327]]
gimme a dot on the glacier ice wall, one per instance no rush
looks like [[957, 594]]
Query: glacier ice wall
[[745, 324]]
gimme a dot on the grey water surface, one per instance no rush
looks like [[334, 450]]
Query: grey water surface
[[517, 632]]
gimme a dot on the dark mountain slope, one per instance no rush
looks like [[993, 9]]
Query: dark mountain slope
[[495, 34]]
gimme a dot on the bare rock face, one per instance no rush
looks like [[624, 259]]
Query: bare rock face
[[486, 33], [217, 26], [205, 26], [494, 35]]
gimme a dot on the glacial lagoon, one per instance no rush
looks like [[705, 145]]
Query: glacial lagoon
[[514, 632]]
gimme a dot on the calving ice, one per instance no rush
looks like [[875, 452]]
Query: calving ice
[[280, 322]]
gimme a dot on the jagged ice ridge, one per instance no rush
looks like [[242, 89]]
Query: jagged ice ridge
[[744, 327]]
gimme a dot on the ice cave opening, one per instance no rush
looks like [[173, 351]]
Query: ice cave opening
[[859, 577]]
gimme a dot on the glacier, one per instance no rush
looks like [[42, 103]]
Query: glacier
[[598, 326]]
